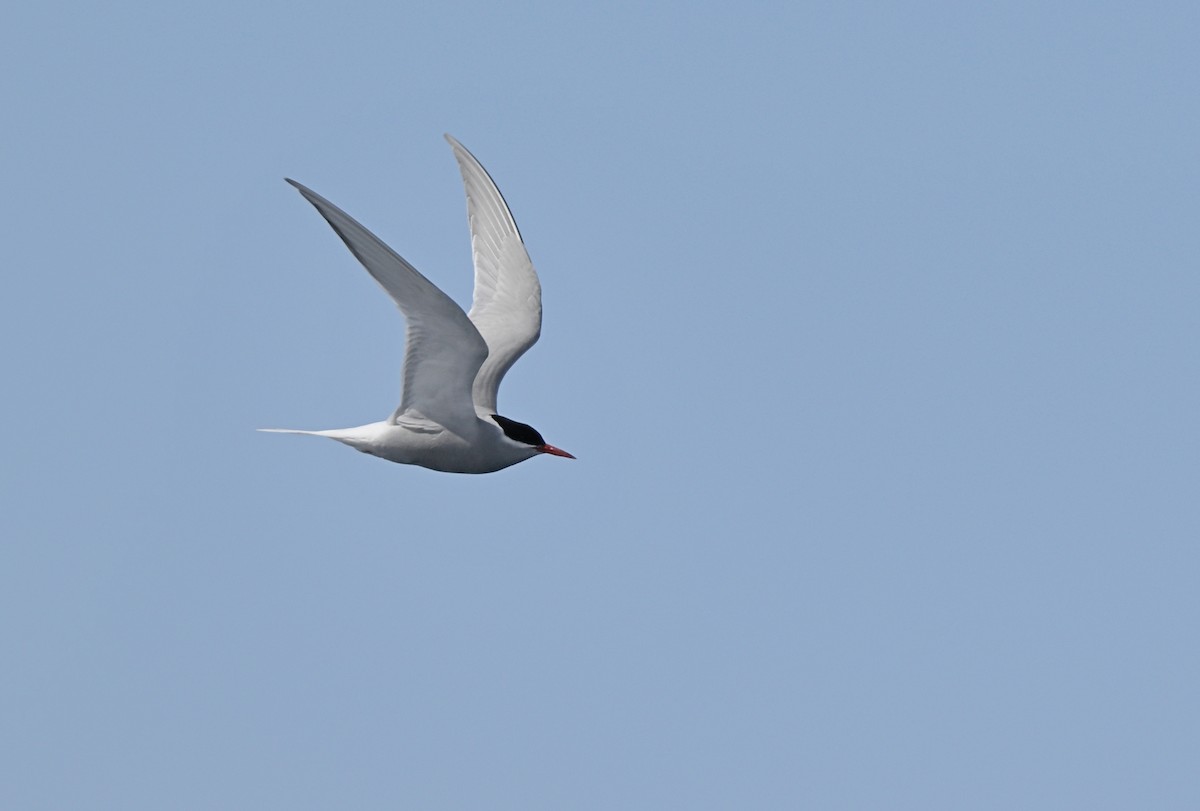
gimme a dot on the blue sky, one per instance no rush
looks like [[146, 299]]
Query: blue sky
[[873, 327]]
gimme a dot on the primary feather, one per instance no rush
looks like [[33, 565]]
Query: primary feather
[[443, 349], [507, 306]]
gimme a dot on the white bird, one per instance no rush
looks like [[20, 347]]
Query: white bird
[[453, 361]]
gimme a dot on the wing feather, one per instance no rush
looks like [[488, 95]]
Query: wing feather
[[443, 349], [507, 305]]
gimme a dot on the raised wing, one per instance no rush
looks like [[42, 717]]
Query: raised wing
[[507, 308], [443, 350]]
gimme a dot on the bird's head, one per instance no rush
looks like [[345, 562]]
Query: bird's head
[[527, 435]]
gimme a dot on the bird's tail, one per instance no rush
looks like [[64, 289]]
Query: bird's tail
[[292, 431], [354, 437]]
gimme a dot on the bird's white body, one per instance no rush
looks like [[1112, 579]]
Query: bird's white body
[[485, 449], [453, 361]]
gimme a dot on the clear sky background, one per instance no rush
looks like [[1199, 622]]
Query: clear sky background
[[873, 326]]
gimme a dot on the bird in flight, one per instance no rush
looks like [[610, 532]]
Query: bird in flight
[[453, 361]]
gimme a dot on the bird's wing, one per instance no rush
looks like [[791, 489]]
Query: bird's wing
[[443, 350], [507, 307]]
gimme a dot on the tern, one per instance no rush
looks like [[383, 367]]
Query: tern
[[453, 361]]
